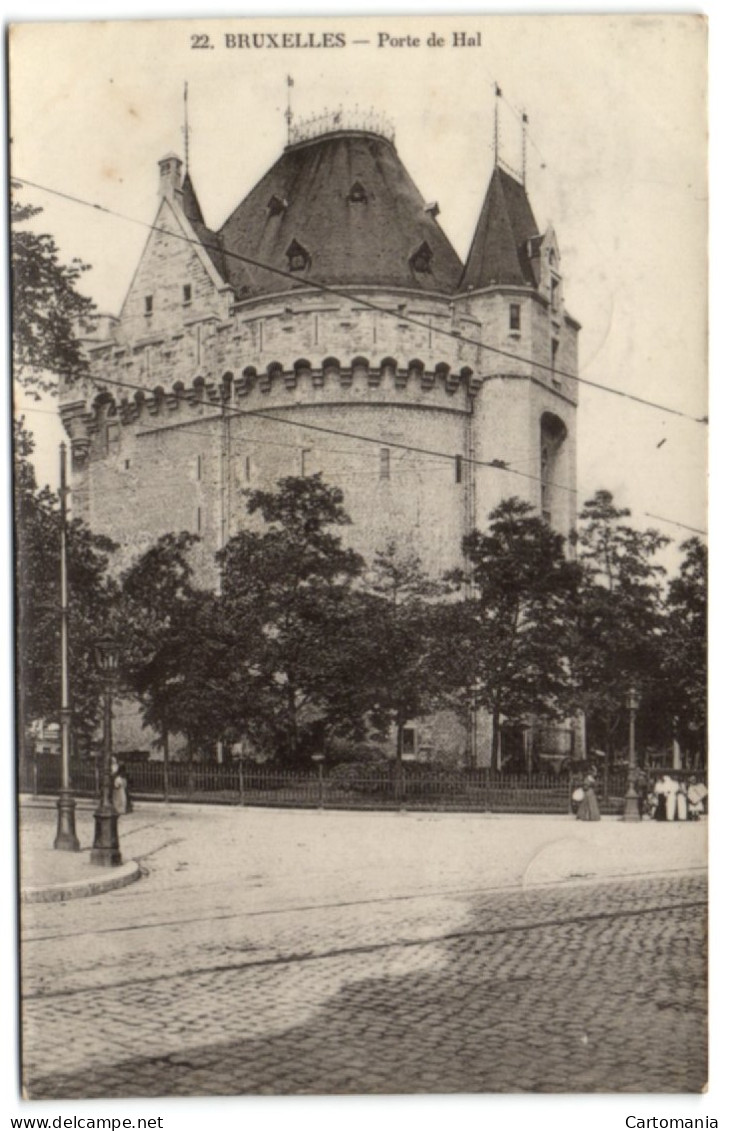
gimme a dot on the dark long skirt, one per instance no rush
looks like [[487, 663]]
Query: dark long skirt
[[588, 809]]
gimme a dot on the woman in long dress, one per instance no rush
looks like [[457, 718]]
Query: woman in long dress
[[588, 809], [119, 792]]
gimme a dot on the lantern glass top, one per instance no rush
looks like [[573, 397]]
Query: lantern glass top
[[632, 699], [106, 654]]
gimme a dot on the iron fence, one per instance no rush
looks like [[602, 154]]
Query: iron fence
[[341, 787]]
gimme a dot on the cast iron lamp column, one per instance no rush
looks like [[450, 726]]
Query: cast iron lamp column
[[66, 838], [632, 810], [106, 834]]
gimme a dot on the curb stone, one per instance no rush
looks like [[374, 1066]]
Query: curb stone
[[76, 889]]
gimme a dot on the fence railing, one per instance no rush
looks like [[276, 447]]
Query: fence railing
[[342, 787]]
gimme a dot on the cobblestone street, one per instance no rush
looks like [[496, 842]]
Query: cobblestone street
[[584, 987]]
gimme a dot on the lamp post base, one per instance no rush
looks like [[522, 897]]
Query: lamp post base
[[66, 839], [105, 851], [632, 809]]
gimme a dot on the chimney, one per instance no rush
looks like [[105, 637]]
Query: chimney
[[170, 175]]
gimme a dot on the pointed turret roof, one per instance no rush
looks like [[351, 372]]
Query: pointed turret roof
[[210, 240], [499, 252], [347, 203]]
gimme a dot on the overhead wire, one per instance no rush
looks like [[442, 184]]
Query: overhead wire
[[326, 288]]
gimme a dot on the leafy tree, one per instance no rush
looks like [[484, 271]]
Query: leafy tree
[[172, 654], [401, 674], [620, 617], [287, 600], [515, 632], [46, 307], [685, 648], [91, 600]]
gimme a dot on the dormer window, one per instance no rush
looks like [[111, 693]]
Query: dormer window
[[432, 209], [421, 259], [357, 194], [277, 205], [554, 291], [148, 304], [298, 257]]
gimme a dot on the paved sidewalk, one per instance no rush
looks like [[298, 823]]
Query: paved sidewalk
[[429, 848], [49, 875]]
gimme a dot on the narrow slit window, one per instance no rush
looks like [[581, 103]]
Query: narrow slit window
[[459, 469], [187, 292], [514, 316], [555, 357], [247, 469], [199, 467], [148, 304], [384, 463]]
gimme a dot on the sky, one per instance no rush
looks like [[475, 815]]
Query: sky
[[616, 161]]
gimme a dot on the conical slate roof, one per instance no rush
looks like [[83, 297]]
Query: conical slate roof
[[498, 254], [209, 239], [340, 209]]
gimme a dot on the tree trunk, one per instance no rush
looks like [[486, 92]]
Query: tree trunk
[[293, 728], [399, 741], [165, 762], [496, 739]]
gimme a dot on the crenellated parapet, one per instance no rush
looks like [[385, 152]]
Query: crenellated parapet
[[93, 406]]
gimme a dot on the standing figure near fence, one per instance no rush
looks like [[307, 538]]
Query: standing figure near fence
[[696, 795], [587, 808], [681, 801], [120, 797]]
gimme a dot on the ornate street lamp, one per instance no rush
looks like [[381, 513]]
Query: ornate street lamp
[[105, 850], [66, 839], [632, 809]]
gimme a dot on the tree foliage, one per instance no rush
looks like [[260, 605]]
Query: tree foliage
[[403, 666], [685, 687], [618, 641], [286, 598], [46, 307], [38, 590], [515, 632]]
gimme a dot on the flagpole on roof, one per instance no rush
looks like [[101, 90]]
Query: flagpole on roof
[[186, 133], [524, 124], [497, 93], [289, 112]]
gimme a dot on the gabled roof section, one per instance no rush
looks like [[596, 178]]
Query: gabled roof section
[[210, 240], [367, 240], [499, 254]]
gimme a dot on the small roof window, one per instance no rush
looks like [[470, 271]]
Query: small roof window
[[277, 205], [357, 194], [298, 257], [421, 259]]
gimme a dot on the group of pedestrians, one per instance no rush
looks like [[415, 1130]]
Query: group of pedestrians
[[676, 799], [671, 798]]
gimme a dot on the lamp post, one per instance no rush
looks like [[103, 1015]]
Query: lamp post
[[632, 810], [319, 760], [105, 850], [66, 838]]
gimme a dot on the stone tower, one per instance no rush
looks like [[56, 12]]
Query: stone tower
[[329, 326]]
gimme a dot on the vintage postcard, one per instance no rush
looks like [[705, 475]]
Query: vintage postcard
[[360, 397]]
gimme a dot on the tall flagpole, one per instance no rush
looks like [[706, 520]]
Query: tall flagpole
[[289, 115], [66, 838], [497, 92], [186, 132], [524, 124]]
